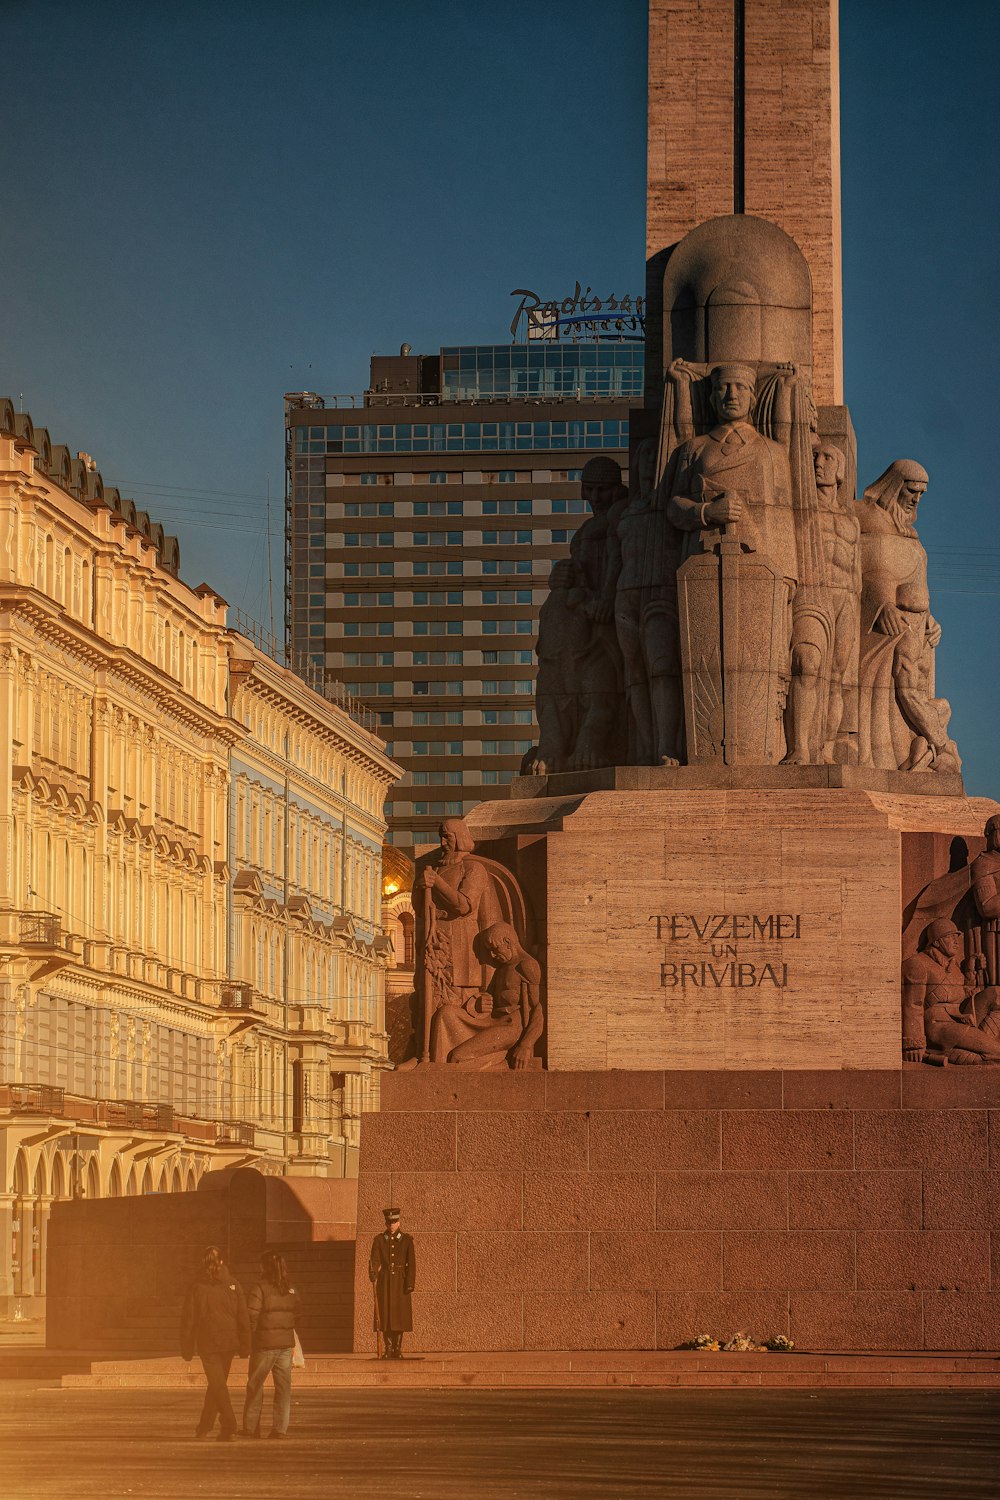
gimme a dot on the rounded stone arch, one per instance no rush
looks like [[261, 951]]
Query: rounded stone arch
[[116, 1187], [737, 288], [57, 1180], [19, 1176], [176, 1183], [127, 511], [147, 1179], [163, 1181], [93, 1178], [7, 415], [40, 1185], [131, 1187]]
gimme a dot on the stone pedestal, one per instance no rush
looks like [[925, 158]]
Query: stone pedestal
[[846, 1210], [712, 920]]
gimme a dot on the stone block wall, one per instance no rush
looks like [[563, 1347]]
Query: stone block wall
[[849, 1210], [118, 1268]]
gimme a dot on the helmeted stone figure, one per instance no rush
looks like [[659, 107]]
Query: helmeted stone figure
[[944, 1011], [823, 710], [902, 725]]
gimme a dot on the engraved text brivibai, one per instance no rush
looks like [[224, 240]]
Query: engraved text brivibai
[[721, 933]]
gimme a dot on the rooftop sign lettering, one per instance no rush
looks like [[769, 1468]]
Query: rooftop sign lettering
[[578, 316]]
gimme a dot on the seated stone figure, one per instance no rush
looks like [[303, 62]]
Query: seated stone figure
[[944, 1017], [504, 1020]]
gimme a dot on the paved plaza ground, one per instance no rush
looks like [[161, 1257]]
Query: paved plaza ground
[[490, 1445]]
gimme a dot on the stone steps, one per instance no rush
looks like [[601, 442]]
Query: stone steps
[[588, 1369]]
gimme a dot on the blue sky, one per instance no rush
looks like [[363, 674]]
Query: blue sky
[[207, 204]]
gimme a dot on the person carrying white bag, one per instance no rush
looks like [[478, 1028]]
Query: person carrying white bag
[[273, 1305]]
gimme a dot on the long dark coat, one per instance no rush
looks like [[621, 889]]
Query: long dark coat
[[392, 1267]]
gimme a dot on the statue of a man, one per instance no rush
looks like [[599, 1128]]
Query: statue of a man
[[823, 693], [942, 1012], [902, 726], [593, 595], [732, 476], [643, 556], [563, 639], [506, 1018], [454, 900]]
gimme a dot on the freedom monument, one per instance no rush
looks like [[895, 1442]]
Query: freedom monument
[[711, 1005]]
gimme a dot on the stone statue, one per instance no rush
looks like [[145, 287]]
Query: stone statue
[[729, 491], [734, 477], [461, 900], [822, 718], [902, 726], [944, 1018], [581, 728], [454, 899], [505, 1019], [563, 638], [986, 895], [642, 558]]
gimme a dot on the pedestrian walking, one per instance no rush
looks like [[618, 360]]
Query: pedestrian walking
[[215, 1326], [273, 1308], [392, 1270]]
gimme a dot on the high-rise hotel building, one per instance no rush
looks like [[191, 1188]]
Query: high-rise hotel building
[[423, 519]]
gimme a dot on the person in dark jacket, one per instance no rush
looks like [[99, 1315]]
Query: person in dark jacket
[[214, 1325], [273, 1306], [392, 1268]]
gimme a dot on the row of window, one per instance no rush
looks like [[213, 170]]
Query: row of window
[[310, 469], [435, 658], [436, 569], [463, 437], [521, 686], [421, 597], [518, 687], [562, 507]]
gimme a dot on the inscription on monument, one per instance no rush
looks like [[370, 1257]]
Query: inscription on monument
[[714, 962]]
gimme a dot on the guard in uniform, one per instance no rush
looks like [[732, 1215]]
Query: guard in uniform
[[392, 1270]]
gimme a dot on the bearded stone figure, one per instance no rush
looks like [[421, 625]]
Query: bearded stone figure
[[901, 724]]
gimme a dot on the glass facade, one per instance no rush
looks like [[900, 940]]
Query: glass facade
[[458, 437], [383, 589], [536, 369]]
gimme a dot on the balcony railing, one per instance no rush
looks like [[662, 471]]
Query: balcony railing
[[130, 1114], [240, 997], [36, 1099], [41, 927], [236, 1133]]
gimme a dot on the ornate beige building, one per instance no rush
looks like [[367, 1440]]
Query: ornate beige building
[[191, 948]]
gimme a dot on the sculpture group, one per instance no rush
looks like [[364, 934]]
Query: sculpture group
[[737, 604], [478, 988], [951, 983]]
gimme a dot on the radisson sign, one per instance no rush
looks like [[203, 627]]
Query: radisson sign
[[578, 316]]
